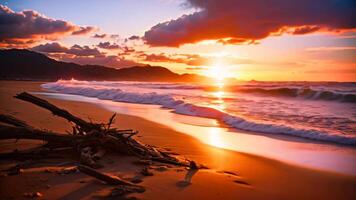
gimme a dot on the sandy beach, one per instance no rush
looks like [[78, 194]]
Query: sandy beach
[[231, 175]]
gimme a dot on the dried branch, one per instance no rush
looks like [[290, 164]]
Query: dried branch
[[57, 111], [8, 119], [93, 136], [8, 132], [111, 121]]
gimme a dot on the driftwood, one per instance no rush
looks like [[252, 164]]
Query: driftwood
[[8, 119], [109, 179], [90, 141], [8, 132], [57, 111], [85, 135]]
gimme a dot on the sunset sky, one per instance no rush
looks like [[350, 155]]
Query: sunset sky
[[313, 40]]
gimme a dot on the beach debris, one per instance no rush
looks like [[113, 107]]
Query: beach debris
[[90, 140], [146, 172], [32, 194], [109, 179]]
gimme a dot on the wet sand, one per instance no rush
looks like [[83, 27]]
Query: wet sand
[[252, 177]]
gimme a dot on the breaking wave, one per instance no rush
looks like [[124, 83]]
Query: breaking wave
[[305, 93], [310, 92], [182, 107]]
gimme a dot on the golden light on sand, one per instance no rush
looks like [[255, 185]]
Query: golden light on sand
[[215, 138]]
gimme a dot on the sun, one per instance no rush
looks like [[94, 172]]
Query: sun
[[218, 72]]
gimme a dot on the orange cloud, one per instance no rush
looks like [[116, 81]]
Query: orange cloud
[[28, 26], [192, 59], [241, 21], [188, 59]]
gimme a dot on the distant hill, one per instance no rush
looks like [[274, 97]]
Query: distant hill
[[21, 64]]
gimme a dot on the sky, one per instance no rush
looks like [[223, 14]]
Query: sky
[[272, 40]]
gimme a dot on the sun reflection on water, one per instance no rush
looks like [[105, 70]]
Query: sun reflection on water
[[219, 94]]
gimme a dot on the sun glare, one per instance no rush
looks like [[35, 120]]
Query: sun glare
[[218, 72]]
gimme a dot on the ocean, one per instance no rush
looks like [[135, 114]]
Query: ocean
[[318, 111]]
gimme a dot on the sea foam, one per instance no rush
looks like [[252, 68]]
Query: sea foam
[[100, 91]]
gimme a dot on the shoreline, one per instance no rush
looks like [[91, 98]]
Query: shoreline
[[206, 110], [268, 179], [299, 151]]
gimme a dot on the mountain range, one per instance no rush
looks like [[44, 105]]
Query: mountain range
[[22, 64]]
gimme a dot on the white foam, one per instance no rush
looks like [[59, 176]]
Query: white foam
[[100, 91]]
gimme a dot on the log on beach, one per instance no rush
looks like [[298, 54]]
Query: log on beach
[[57, 111], [88, 142], [85, 135], [8, 132]]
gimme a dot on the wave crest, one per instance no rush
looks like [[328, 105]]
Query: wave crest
[[305, 93], [182, 107]]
